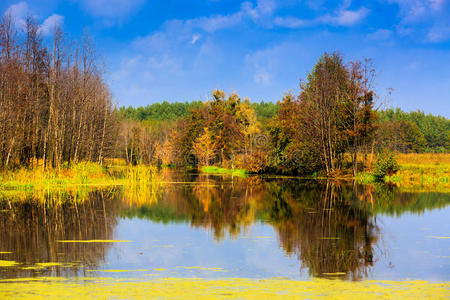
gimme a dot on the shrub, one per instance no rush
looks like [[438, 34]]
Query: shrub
[[385, 165]]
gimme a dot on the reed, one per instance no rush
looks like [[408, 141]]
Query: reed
[[80, 174], [142, 185]]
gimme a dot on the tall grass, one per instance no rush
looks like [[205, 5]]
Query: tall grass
[[418, 172], [80, 174], [83, 173], [142, 185]]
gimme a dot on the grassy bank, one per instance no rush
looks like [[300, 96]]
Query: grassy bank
[[422, 171], [217, 170], [80, 174], [418, 172]]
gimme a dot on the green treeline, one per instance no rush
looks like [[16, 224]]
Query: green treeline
[[159, 111], [175, 110], [413, 131]]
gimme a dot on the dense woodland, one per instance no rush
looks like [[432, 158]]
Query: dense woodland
[[56, 109], [54, 104], [396, 130]]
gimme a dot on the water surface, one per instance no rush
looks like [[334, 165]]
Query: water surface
[[211, 226]]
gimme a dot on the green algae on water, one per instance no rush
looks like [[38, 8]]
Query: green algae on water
[[93, 241], [8, 263]]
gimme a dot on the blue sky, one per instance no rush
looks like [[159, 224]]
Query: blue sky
[[181, 50]]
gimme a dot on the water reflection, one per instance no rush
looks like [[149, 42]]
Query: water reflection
[[330, 227], [30, 229]]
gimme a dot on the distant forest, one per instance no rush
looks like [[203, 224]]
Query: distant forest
[[176, 110], [397, 130]]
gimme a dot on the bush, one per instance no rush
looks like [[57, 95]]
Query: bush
[[385, 165]]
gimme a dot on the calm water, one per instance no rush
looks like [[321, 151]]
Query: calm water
[[220, 226]]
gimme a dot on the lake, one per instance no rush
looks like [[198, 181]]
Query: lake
[[219, 226]]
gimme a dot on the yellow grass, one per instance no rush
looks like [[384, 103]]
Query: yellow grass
[[80, 174], [427, 171], [141, 184]]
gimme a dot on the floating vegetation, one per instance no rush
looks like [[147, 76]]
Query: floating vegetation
[[177, 288], [438, 237], [93, 241], [118, 271], [44, 265], [8, 263]]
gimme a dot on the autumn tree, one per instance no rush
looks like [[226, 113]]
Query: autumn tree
[[359, 105], [332, 115], [204, 147]]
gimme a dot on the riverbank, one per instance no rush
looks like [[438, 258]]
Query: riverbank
[[417, 172], [421, 172], [218, 170], [80, 174], [429, 171]]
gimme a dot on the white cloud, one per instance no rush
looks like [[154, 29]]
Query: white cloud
[[263, 8], [415, 10], [438, 33], [345, 17], [437, 4], [426, 20], [19, 13], [51, 23], [290, 22], [214, 23], [111, 10], [380, 35], [342, 17], [259, 13]]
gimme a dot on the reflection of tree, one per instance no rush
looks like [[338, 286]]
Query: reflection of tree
[[330, 226], [391, 201], [218, 203], [320, 224], [30, 229]]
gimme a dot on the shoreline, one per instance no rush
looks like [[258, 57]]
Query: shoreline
[[417, 173]]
